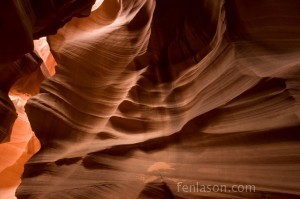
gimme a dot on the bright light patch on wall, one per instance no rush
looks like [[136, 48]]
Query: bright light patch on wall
[[97, 4]]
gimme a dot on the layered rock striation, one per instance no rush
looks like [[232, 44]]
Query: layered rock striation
[[149, 95]]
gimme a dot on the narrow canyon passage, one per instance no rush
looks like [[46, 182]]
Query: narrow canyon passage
[[150, 99]]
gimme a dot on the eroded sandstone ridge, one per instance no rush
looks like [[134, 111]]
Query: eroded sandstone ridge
[[21, 22], [150, 94]]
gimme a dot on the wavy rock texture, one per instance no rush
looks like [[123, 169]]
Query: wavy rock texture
[[21, 143], [147, 94], [21, 22]]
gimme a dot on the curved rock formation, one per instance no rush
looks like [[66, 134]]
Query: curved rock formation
[[21, 22], [14, 154], [11, 73], [148, 96], [21, 143]]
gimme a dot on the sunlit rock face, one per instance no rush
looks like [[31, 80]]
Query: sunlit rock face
[[149, 95]]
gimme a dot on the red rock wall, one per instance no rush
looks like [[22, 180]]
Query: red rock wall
[[149, 94]]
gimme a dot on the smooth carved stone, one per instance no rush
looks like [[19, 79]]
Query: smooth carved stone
[[102, 81], [11, 73], [148, 95], [8, 116], [23, 21], [50, 15]]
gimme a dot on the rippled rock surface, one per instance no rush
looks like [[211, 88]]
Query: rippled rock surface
[[147, 95]]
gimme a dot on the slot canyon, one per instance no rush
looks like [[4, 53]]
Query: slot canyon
[[164, 99]]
